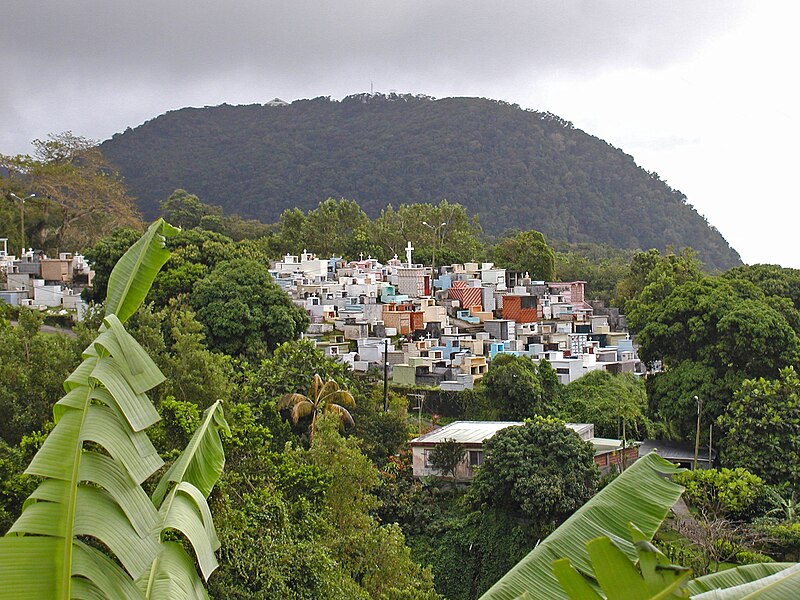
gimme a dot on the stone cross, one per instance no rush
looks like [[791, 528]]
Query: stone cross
[[409, 248]]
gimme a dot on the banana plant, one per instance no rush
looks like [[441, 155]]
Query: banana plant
[[594, 554], [618, 577], [89, 530]]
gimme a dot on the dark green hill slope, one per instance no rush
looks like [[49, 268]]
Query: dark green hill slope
[[515, 168]]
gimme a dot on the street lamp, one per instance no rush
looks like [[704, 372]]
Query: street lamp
[[435, 229], [22, 218], [697, 433]]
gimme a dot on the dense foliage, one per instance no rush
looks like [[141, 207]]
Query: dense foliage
[[518, 388], [608, 401], [243, 310], [541, 471], [338, 515], [516, 169], [527, 252], [723, 492], [73, 195], [762, 428], [446, 457], [708, 334], [34, 367]]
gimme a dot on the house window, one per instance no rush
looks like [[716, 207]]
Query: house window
[[475, 458], [426, 454]]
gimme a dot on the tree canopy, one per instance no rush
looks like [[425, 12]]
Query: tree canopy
[[709, 334], [519, 389], [526, 251], [540, 470], [762, 428], [446, 456], [73, 183], [243, 310], [607, 401]]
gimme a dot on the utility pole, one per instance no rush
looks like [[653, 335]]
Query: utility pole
[[386, 375], [421, 399], [710, 434], [22, 218], [697, 433], [624, 445]]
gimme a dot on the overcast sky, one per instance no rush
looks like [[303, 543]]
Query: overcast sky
[[703, 92]]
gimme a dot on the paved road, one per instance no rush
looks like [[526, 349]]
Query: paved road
[[52, 329]]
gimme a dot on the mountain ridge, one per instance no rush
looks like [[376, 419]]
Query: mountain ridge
[[515, 168]]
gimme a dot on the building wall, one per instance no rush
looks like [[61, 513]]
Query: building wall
[[612, 461], [467, 296], [464, 472], [56, 270], [512, 309], [404, 374]]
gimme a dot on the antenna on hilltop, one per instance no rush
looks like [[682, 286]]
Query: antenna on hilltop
[[371, 93]]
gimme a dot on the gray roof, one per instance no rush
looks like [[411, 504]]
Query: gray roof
[[676, 451], [476, 432]]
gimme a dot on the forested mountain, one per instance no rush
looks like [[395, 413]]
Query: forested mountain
[[516, 169]]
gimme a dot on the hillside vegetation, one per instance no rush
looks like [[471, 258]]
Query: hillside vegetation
[[514, 168]]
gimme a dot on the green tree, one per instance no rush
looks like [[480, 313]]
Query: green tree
[[446, 456], [78, 184], [455, 236], [244, 311], [194, 373], [762, 428], [607, 401], [289, 237], [34, 366], [103, 255], [291, 365], [652, 276], [716, 332], [600, 265], [323, 397], [671, 393], [516, 389], [721, 493], [773, 280], [630, 510], [526, 251], [186, 211], [541, 470], [271, 510], [383, 434], [332, 227], [373, 555], [15, 485]]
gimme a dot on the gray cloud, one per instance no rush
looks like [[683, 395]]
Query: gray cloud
[[96, 67]]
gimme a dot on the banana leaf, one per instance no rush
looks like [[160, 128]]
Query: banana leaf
[[765, 581], [132, 276], [642, 495], [202, 461], [181, 498], [92, 465]]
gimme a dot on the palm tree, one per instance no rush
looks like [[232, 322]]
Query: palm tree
[[323, 397]]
